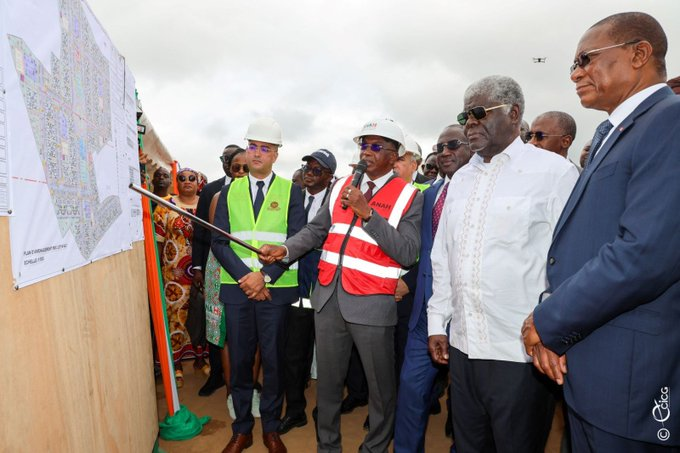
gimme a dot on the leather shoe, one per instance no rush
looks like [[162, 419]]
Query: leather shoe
[[289, 423], [274, 443], [213, 383], [350, 403], [238, 443]]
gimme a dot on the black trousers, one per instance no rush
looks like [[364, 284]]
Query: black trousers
[[299, 353], [498, 406]]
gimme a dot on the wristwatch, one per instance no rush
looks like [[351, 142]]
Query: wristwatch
[[267, 278]]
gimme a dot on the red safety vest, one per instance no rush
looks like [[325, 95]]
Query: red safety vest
[[366, 269]]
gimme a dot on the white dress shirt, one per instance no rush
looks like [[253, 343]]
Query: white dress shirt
[[489, 253], [253, 184], [316, 203], [379, 182], [624, 109]]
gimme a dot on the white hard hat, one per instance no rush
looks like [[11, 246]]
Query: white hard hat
[[412, 146], [265, 130], [383, 127]]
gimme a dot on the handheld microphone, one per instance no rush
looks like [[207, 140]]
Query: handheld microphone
[[359, 171]]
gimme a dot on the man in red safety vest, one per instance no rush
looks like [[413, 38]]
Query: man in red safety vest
[[369, 228]]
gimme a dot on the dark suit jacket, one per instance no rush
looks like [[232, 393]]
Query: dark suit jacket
[[614, 273], [423, 286], [422, 179], [401, 244], [232, 294], [201, 242]]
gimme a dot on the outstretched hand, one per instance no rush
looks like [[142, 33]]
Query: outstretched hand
[[270, 253]]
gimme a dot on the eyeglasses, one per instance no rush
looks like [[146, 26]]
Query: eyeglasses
[[451, 144], [430, 167], [182, 178], [541, 135], [235, 168], [316, 171], [478, 112], [375, 147], [583, 59], [263, 148]]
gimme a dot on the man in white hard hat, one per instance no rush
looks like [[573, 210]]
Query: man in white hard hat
[[367, 233], [260, 208], [406, 166]]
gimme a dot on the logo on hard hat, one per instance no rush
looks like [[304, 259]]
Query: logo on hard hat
[[371, 125]]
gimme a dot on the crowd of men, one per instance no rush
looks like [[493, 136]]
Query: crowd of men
[[527, 275]]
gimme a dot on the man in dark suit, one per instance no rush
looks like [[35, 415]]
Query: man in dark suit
[[199, 256], [317, 174], [259, 208], [612, 309], [418, 372], [365, 245]]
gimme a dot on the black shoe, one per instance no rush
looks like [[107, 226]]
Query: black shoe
[[289, 423], [350, 403], [212, 384], [367, 426]]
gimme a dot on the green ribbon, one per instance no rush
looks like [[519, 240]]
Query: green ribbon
[[182, 426]]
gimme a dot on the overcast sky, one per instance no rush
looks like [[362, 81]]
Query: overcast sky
[[205, 69]]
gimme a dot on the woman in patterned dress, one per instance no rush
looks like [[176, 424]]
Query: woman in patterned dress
[[174, 234]]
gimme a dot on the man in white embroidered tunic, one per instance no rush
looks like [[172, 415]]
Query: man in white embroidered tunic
[[488, 265]]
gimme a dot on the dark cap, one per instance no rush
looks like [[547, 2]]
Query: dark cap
[[324, 157]]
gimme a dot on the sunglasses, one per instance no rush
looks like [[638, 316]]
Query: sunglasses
[[375, 147], [182, 178], [430, 167], [263, 148], [478, 112], [451, 144], [540, 135], [583, 59], [235, 168], [316, 171]]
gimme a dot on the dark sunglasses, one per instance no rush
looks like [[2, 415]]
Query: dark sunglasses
[[375, 147], [316, 171], [478, 112], [237, 167], [182, 178], [431, 167], [263, 148], [583, 59], [451, 144], [540, 135]]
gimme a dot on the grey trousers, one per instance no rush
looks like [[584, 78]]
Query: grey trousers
[[334, 339]]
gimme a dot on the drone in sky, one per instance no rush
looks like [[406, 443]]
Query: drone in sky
[[540, 59]]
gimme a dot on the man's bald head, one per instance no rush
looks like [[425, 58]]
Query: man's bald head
[[633, 26]]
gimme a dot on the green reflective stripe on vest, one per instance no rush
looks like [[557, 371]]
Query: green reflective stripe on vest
[[271, 226], [420, 186]]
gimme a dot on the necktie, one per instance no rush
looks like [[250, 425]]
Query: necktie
[[438, 208], [369, 193], [309, 205], [259, 198], [600, 133]]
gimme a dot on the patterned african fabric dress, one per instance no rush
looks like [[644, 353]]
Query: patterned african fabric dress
[[174, 234]]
